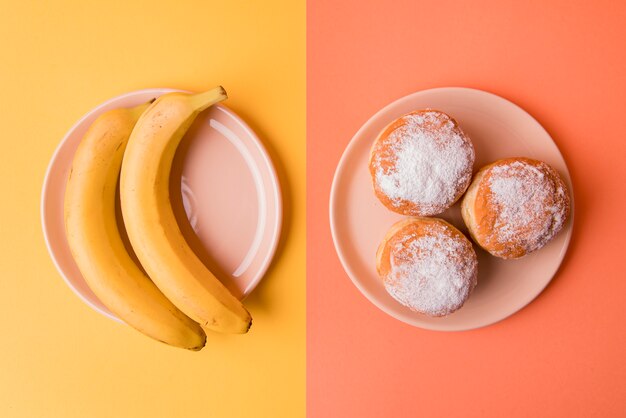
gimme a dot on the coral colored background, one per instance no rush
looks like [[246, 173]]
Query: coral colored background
[[564, 354]]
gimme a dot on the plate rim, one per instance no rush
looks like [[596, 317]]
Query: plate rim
[[273, 174], [333, 209]]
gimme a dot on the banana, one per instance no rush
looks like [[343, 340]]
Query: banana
[[150, 222], [96, 243]]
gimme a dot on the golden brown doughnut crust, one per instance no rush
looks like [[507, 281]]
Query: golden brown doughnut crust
[[427, 265], [515, 206], [444, 177]]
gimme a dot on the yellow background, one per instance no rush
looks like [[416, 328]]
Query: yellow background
[[58, 358]]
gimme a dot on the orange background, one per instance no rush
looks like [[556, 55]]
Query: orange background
[[564, 354]]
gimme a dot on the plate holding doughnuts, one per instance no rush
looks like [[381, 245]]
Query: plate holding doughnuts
[[359, 222]]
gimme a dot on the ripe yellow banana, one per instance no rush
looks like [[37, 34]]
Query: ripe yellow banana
[[97, 245], [150, 222]]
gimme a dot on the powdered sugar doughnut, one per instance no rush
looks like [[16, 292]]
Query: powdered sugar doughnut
[[515, 206], [421, 163], [427, 265]]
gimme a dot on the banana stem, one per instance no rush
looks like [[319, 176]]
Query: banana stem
[[203, 100]]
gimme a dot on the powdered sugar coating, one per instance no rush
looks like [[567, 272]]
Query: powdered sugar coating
[[423, 164], [527, 206], [432, 270]]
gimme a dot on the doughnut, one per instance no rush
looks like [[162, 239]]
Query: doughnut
[[515, 206], [421, 163], [427, 265]]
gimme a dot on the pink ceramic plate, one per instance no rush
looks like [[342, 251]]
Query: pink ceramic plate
[[224, 189], [359, 221]]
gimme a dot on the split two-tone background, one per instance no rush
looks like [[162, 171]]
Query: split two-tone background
[[306, 76]]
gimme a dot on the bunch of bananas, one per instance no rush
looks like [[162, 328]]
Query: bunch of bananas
[[171, 296]]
